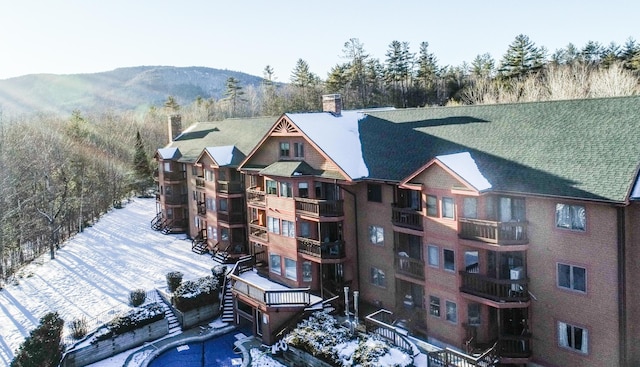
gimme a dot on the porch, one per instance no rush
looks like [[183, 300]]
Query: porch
[[497, 290], [319, 208], [494, 232]]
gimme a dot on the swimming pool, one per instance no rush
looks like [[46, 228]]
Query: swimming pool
[[218, 351]]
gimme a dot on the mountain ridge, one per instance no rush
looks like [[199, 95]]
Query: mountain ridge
[[125, 88]]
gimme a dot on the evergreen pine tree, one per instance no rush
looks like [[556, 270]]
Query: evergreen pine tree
[[141, 166], [43, 346], [522, 58]]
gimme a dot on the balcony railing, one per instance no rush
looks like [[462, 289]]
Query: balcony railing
[[500, 233], [175, 199], [514, 346], [379, 323], [409, 266], [498, 290], [174, 176], [320, 208], [199, 182], [230, 187], [450, 357], [271, 297], [407, 218], [231, 217], [258, 231], [202, 209], [322, 250], [255, 196]]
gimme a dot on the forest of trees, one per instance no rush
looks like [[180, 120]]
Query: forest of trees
[[84, 164]]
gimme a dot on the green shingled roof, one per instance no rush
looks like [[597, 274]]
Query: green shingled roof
[[245, 134], [580, 148]]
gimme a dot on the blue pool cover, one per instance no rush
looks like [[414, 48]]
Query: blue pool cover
[[213, 352]]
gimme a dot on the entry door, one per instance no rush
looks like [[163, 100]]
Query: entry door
[[258, 322]]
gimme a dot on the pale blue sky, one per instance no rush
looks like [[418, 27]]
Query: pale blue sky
[[83, 36]]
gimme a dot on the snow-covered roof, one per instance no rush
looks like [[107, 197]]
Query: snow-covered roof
[[465, 167], [225, 155], [337, 136], [635, 192], [169, 153]]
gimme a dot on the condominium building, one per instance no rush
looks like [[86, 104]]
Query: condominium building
[[508, 226]]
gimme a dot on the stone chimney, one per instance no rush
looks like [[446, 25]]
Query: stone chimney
[[175, 127], [332, 103]]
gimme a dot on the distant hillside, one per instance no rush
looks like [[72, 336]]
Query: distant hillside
[[119, 89]]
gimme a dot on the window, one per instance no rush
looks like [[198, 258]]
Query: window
[[434, 255], [224, 234], [274, 264], [449, 260], [432, 206], [210, 204], [290, 269], [224, 205], [222, 174], [473, 314], [284, 149], [452, 311], [434, 306], [374, 192], [285, 189], [169, 213], [273, 225], [210, 232], [208, 175], [571, 217], [298, 150], [213, 233], [288, 229], [167, 166], [447, 208], [376, 235], [303, 190], [307, 275], [305, 229], [272, 187], [470, 208], [377, 277], [572, 277], [573, 337]]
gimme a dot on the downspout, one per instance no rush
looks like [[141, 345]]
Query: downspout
[[622, 286], [355, 215]]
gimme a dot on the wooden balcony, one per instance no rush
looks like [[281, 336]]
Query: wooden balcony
[[321, 250], [174, 176], [251, 285], [175, 199], [258, 232], [320, 208], [256, 197], [449, 357], [406, 218], [230, 187], [411, 267], [202, 209], [514, 346], [499, 233], [231, 217], [200, 182], [498, 290]]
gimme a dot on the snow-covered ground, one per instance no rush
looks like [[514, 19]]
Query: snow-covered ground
[[94, 272]]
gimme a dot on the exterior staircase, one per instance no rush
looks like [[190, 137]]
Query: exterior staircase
[[227, 304], [174, 324], [199, 248], [221, 257]]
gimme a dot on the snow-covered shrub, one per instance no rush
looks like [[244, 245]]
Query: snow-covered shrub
[[137, 297], [174, 278], [219, 272], [196, 293], [78, 328], [322, 336], [132, 320], [318, 335]]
